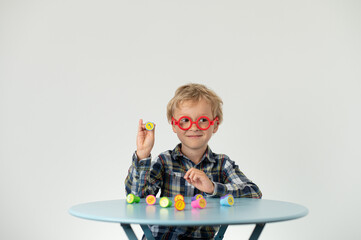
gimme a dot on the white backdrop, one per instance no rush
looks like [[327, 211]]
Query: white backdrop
[[75, 77]]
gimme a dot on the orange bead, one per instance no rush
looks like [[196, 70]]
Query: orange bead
[[178, 197], [180, 205]]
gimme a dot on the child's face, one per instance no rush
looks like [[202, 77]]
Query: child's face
[[194, 139]]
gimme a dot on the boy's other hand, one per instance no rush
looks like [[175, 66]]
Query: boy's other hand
[[145, 141], [199, 180]]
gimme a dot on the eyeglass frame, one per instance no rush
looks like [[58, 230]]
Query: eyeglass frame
[[175, 122]]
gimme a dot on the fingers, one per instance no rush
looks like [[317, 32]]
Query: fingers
[[141, 125], [199, 180], [145, 140], [192, 175], [187, 174]]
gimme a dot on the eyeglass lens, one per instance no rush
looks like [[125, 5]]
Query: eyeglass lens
[[186, 123]]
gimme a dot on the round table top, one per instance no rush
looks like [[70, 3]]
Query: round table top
[[244, 211]]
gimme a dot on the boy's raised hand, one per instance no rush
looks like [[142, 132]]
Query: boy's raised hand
[[145, 141], [199, 180]]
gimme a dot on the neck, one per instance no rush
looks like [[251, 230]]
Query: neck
[[195, 155]]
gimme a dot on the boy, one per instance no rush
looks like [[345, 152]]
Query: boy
[[191, 168]]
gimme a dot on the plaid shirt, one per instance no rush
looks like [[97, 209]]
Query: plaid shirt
[[166, 174]]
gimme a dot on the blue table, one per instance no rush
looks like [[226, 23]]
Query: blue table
[[244, 211]]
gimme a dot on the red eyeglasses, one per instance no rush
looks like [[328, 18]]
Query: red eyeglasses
[[185, 123]]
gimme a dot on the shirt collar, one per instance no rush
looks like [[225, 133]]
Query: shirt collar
[[177, 153]]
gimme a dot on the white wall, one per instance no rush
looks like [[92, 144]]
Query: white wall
[[75, 77]]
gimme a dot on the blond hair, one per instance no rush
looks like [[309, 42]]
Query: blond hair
[[195, 92]]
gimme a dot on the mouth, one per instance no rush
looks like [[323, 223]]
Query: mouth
[[194, 136]]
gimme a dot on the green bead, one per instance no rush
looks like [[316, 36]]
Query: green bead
[[165, 202], [131, 198]]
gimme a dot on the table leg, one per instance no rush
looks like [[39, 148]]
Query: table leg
[[147, 232], [257, 231], [221, 232], [129, 231]]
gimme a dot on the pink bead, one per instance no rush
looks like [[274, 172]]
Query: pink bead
[[199, 203]]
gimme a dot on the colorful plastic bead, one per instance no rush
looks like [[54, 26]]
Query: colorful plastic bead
[[180, 205], [165, 202], [149, 126], [199, 203], [178, 197], [131, 198], [227, 200], [195, 197], [150, 199]]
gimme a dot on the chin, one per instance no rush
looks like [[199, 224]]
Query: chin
[[195, 146]]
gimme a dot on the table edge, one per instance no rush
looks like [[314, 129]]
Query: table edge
[[145, 222]]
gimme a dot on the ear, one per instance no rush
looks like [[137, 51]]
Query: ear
[[173, 127], [216, 124], [215, 129]]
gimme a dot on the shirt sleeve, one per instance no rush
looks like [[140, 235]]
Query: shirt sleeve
[[144, 177], [234, 182]]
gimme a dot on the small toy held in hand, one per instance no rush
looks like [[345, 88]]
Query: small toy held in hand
[[149, 126], [151, 199], [199, 203], [165, 202], [227, 200], [131, 198]]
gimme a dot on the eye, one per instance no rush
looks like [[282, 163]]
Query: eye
[[202, 120], [184, 120]]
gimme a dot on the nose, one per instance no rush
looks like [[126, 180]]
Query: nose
[[194, 127]]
